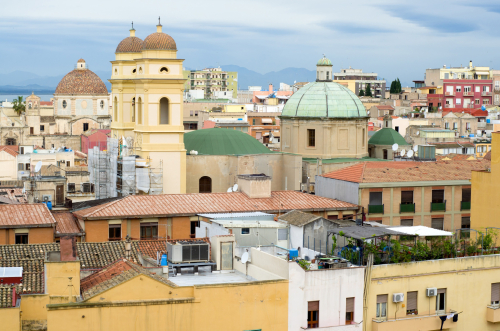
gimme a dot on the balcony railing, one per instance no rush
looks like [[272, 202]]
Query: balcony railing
[[486, 94], [407, 208], [438, 206], [375, 209], [448, 106], [468, 94], [465, 205], [449, 93], [497, 88], [422, 322]]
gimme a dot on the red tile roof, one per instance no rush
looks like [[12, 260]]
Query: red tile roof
[[385, 107], [454, 157], [8, 150], [196, 203], [381, 172], [15, 194], [66, 223], [46, 103], [26, 215]]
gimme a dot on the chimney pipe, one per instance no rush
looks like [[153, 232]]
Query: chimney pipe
[[128, 248], [68, 248]]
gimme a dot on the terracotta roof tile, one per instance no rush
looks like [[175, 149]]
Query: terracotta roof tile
[[26, 215], [380, 172], [160, 41], [81, 81], [129, 45], [196, 203], [8, 150], [6, 295], [66, 222]]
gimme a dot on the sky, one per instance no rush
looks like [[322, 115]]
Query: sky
[[392, 38]]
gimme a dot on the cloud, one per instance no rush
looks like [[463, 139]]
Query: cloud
[[355, 28], [453, 23]]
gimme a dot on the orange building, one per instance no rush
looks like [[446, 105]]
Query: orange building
[[26, 224], [262, 124]]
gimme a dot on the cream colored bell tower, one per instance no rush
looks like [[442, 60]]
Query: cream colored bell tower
[[147, 86]]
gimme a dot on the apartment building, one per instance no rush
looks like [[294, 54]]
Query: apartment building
[[358, 80], [433, 194], [436, 77], [467, 93], [210, 81]]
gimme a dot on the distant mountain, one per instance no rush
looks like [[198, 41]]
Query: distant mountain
[[248, 77]]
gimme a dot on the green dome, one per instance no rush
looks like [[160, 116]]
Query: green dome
[[387, 136], [324, 62], [219, 141], [324, 99]]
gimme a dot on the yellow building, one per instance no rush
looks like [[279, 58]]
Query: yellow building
[[147, 85], [467, 286], [485, 209]]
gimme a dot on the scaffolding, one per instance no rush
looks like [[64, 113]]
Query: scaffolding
[[117, 171]]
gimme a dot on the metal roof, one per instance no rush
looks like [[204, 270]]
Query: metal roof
[[387, 136], [324, 99], [234, 215], [421, 231], [11, 272], [365, 232], [249, 224]]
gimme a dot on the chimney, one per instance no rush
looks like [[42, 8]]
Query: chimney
[[128, 248], [255, 185], [270, 88], [470, 64], [68, 248]]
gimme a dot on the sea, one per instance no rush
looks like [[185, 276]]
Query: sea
[[10, 97]]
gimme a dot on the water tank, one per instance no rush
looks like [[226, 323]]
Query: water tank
[[488, 120], [49, 204], [163, 261], [294, 253], [426, 152]]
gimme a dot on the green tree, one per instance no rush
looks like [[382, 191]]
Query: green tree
[[361, 93], [395, 86], [368, 90], [18, 105]]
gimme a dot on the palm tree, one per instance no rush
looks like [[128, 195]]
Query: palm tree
[[18, 105]]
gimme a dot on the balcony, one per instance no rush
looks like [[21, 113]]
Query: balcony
[[468, 94], [493, 314], [407, 208], [465, 205], [486, 94], [348, 327], [414, 323], [375, 209], [497, 88], [438, 206], [449, 106], [449, 93]]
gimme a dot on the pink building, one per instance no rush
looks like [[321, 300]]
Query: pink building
[[467, 93], [94, 137], [278, 96]]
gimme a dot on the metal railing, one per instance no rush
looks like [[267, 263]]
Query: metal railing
[[465, 205], [375, 209], [438, 206], [407, 208]]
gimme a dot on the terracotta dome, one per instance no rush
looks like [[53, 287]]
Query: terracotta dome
[[81, 81], [159, 41], [130, 45], [81, 61]]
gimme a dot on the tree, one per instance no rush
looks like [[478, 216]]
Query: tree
[[368, 90], [18, 105], [395, 86], [361, 93]]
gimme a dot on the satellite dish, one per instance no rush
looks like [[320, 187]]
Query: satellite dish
[[395, 147], [235, 187], [410, 153], [403, 152], [24, 190], [415, 148], [368, 112], [229, 190], [244, 258], [38, 166]]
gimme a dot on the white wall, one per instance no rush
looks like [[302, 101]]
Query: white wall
[[329, 287], [207, 230]]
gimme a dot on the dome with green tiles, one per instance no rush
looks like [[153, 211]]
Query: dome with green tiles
[[219, 141], [324, 100], [387, 136], [324, 62]]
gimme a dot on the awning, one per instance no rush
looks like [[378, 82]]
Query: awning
[[267, 121], [283, 97], [365, 232], [482, 73], [421, 231], [262, 97]]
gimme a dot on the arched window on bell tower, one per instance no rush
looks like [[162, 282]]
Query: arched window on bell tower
[[164, 111], [115, 110], [139, 110], [133, 109]]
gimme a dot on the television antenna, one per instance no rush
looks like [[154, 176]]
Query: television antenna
[[395, 147], [244, 258], [410, 153]]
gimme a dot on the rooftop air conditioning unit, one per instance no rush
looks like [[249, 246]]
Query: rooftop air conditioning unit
[[398, 297], [46, 198], [188, 251], [432, 292]]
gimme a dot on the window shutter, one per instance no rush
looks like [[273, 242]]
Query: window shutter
[[441, 290], [411, 300], [349, 305], [495, 292], [313, 306], [381, 298]]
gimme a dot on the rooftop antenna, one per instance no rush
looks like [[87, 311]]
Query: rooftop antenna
[[244, 258], [132, 25], [235, 187], [395, 147], [410, 153], [403, 152], [415, 148], [159, 20]]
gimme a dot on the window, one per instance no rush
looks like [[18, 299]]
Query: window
[[68, 163], [437, 223], [191, 113], [376, 198], [85, 126], [194, 225], [381, 306], [466, 222], [21, 238], [478, 101], [467, 125], [486, 102], [64, 104], [478, 89], [311, 137], [349, 310], [446, 125], [407, 222], [42, 128], [134, 71], [364, 138], [205, 185], [327, 75], [133, 110], [101, 104], [27, 166], [333, 217], [164, 111], [245, 230], [282, 234], [406, 197], [455, 126], [139, 111], [466, 194], [71, 187], [466, 88], [411, 303], [458, 101], [20, 166], [437, 196], [195, 113], [459, 89], [88, 187], [149, 230], [486, 88], [32, 130], [395, 128], [115, 110], [253, 121], [441, 300], [495, 294], [115, 232], [163, 70], [313, 314]]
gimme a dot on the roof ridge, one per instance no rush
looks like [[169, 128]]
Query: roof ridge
[[106, 205], [362, 172]]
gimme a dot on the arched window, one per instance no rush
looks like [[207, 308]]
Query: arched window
[[115, 110], [10, 141], [134, 71], [327, 75], [205, 184], [64, 104], [133, 109], [164, 111], [139, 110], [163, 70]]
